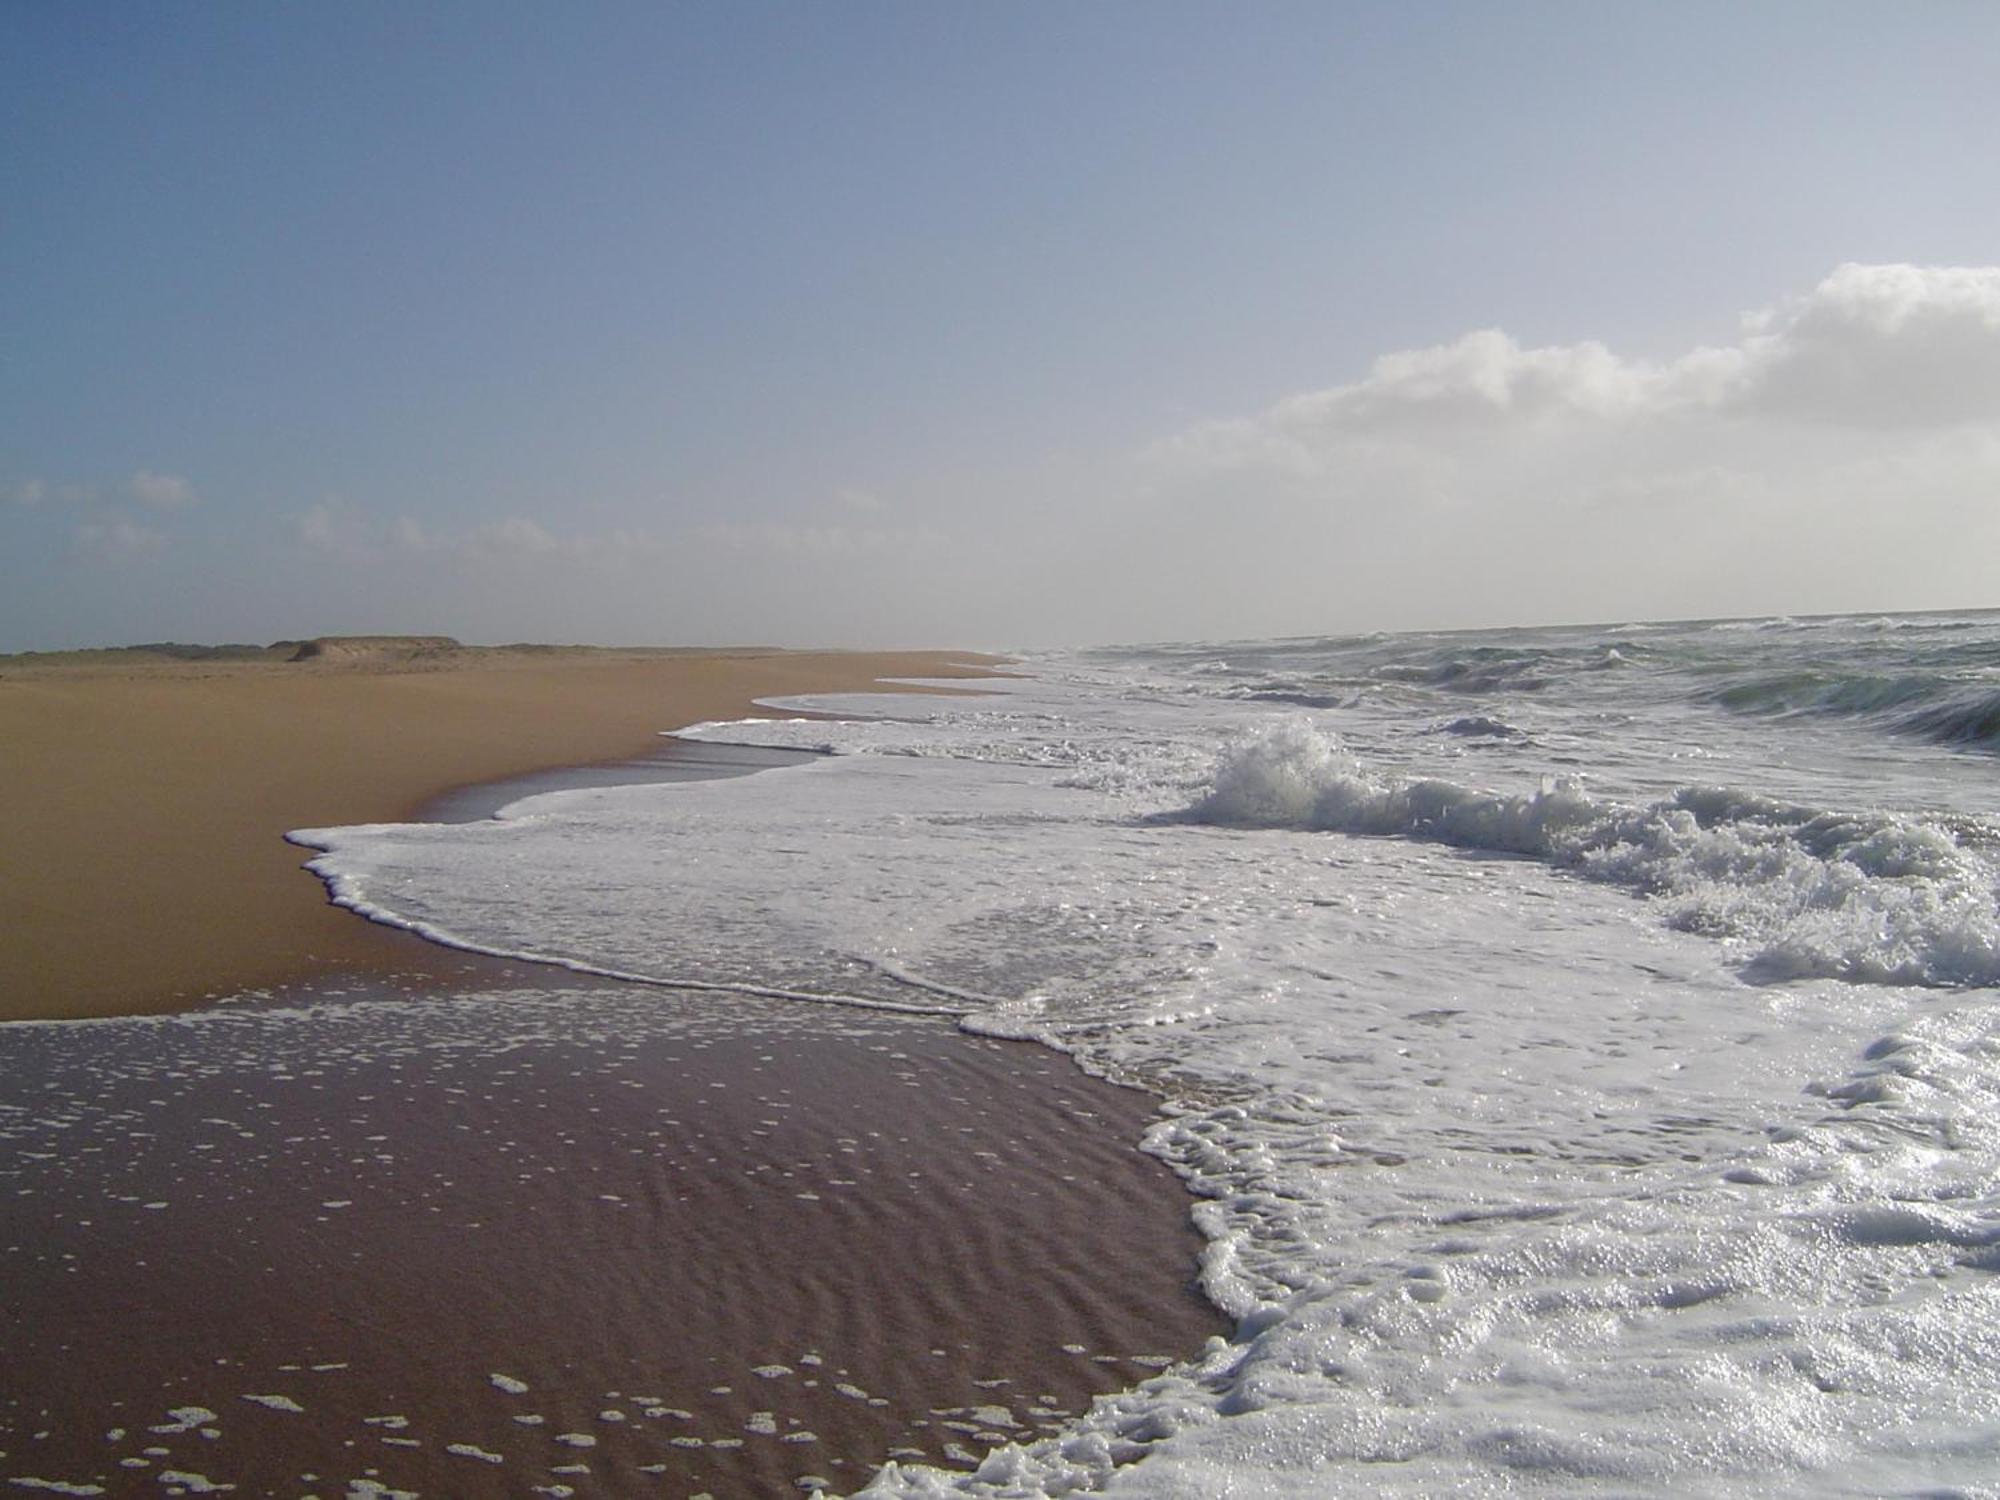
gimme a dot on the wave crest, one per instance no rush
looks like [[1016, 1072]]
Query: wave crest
[[1945, 708], [1798, 892]]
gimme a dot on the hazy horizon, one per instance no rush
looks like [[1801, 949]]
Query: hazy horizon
[[1523, 626], [991, 328]]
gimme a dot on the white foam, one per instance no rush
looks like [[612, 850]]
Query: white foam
[[181, 1481], [184, 1419], [1806, 892]]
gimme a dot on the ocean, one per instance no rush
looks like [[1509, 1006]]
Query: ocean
[[1578, 1045]]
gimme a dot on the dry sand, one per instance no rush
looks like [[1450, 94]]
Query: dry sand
[[144, 798]]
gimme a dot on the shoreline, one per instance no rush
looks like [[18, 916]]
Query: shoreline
[[360, 1194], [147, 796]]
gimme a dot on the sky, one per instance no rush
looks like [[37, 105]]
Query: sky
[[990, 325]]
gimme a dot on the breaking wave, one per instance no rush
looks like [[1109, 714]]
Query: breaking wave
[[1798, 892]]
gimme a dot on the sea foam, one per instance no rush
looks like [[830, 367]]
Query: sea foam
[[1801, 892]]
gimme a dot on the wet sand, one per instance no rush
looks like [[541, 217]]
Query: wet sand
[[630, 1241], [145, 797]]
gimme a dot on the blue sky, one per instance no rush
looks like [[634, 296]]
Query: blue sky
[[1000, 324]]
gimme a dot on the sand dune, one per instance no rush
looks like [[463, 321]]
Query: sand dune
[[375, 648]]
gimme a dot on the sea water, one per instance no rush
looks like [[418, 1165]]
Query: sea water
[[1579, 1045]]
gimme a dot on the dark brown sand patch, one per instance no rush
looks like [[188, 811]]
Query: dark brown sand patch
[[712, 1244]]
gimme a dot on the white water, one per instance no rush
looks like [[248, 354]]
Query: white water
[[1588, 1083]]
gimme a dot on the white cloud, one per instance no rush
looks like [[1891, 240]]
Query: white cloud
[[161, 491], [106, 541], [1870, 346], [1848, 438], [1483, 376], [1877, 346], [26, 492]]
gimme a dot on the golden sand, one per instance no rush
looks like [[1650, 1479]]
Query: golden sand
[[143, 799]]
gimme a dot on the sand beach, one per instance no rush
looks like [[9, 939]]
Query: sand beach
[[146, 794], [412, 1221]]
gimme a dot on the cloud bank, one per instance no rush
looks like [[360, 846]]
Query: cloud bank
[[1879, 347], [1843, 452]]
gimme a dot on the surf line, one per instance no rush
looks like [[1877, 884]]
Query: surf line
[[348, 900]]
